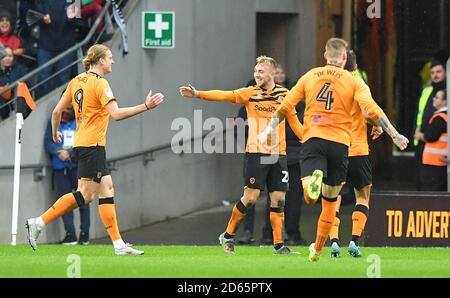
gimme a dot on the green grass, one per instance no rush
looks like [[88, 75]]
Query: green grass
[[210, 261]]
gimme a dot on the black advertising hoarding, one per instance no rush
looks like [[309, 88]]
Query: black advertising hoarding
[[408, 219]]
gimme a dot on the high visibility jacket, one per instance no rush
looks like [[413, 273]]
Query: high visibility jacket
[[362, 75], [426, 92], [435, 153]]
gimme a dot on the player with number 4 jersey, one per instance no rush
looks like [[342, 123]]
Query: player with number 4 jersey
[[329, 92]]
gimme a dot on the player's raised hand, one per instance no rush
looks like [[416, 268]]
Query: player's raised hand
[[188, 91], [401, 141], [377, 131], [57, 138], [152, 101]]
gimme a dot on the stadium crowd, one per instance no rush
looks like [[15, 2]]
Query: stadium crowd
[[36, 31]]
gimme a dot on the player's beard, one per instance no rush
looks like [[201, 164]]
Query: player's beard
[[263, 83]]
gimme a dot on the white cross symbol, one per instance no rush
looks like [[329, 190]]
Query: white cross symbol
[[158, 25]]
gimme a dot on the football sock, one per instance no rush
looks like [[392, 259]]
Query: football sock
[[107, 211], [359, 219], [237, 215], [334, 233], [277, 220], [325, 222], [63, 205]]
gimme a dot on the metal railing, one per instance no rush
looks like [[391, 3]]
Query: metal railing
[[147, 154], [67, 52], [39, 170]]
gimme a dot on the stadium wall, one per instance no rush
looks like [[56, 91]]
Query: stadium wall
[[215, 48]]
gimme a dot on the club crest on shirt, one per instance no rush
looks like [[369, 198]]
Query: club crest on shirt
[[258, 96]]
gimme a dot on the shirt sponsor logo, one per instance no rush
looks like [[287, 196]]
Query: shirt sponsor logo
[[265, 109]]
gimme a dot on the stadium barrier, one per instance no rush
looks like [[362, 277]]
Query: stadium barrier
[[408, 219]]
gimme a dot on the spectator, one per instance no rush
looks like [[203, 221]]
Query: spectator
[[10, 71], [92, 9], [425, 74], [28, 33], [280, 77], [57, 34], [9, 6], [65, 175], [24, 6], [7, 38], [434, 158], [2, 51], [426, 110]]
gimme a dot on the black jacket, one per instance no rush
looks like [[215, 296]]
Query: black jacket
[[60, 34], [11, 74]]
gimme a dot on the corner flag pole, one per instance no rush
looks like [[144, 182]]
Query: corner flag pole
[[24, 106], [15, 209]]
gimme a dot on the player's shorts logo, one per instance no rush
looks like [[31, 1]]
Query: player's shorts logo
[[99, 175], [252, 180]]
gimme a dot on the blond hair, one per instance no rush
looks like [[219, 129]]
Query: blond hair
[[335, 47], [266, 59], [94, 54]]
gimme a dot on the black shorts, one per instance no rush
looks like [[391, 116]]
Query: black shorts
[[91, 162], [359, 172], [272, 172], [328, 156]]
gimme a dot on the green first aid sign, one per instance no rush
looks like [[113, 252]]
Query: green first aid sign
[[158, 29]]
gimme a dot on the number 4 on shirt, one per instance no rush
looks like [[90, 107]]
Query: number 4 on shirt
[[329, 97]]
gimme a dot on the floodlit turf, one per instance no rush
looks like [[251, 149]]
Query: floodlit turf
[[210, 261]]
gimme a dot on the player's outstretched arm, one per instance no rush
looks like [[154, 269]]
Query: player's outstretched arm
[[151, 102], [211, 95], [189, 91], [399, 140]]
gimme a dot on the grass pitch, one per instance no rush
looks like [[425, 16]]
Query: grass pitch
[[210, 261]]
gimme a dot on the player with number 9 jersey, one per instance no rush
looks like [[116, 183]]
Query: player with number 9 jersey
[[90, 93], [93, 102]]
